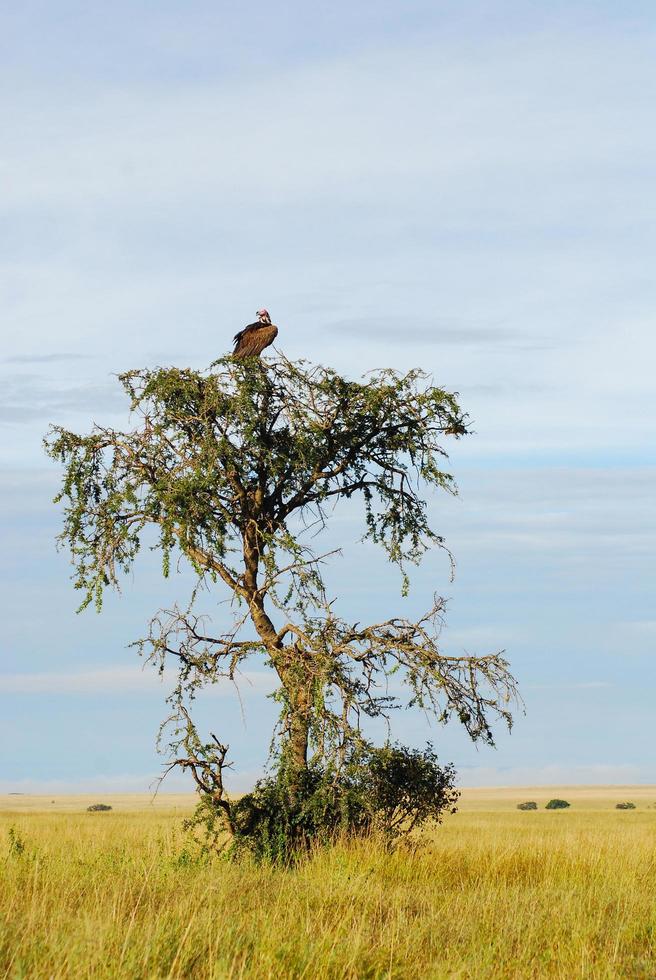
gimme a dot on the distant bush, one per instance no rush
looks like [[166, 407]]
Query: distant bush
[[527, 806], [557, 805], [625, 806], [95, 807]]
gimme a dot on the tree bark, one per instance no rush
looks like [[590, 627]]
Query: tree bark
[[287, 662]]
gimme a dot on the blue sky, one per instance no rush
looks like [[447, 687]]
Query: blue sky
[[466, 187]]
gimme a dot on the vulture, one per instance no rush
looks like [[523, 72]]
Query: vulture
[[251, 341]]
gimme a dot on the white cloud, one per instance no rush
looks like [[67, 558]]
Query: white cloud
[[123, 681], [344, 127], [94, 783], [646, 627], [25, 398], [555, 774], [571, 513], [573, 686], [483, 637], [143, 783]]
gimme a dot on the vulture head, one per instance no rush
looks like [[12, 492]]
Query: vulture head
[[263, 316]]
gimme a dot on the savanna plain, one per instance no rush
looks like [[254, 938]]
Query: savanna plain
[[493, 892]]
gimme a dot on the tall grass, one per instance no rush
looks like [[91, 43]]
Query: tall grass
[[490, 895]]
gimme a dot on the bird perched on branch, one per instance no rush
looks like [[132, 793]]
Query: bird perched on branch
[[251, 341]]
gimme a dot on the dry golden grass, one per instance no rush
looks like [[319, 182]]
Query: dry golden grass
[[495, 893], [169, 803]]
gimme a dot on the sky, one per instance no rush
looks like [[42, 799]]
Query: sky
[[463, 187]]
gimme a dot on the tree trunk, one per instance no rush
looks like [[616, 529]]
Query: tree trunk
[[299, 697], [288, 663]]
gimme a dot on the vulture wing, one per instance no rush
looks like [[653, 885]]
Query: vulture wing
[[251, 341], [242, 333]]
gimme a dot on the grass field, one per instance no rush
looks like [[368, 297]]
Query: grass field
[[494, 893]]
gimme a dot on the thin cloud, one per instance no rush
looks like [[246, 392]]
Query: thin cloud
[[112, 680], [578, 686], [46, 358], [19, 791], [596, 774], [641, 626], [121, 681], [388, 330], [27, 398]]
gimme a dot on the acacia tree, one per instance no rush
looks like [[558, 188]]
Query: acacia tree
[[236, 469]]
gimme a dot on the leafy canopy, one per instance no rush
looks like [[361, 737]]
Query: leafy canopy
[[215, 451]]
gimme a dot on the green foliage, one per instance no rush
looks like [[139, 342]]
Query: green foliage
[[625, 806], [98, 808], [387, 791], [530, 805], [251, 441], [208, 825], [557, 805]]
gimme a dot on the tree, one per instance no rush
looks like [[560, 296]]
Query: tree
[[235, 469]]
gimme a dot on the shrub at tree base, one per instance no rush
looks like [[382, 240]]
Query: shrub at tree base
[[557, 805], [387, 791], [98, 807], [527, 806], [625, 806]]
